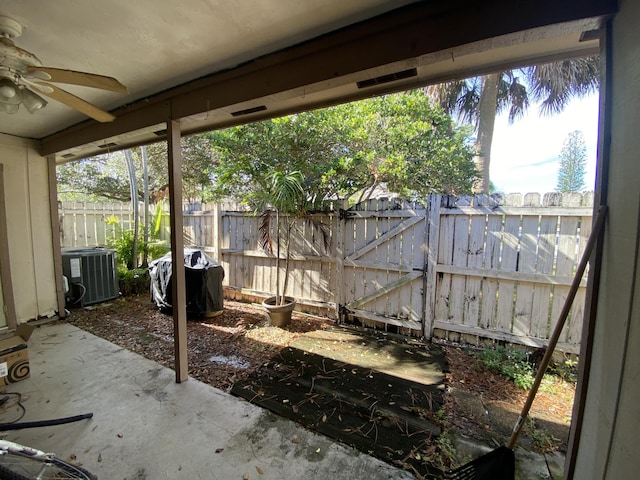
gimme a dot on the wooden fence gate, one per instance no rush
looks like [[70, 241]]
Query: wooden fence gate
[[384, 262]]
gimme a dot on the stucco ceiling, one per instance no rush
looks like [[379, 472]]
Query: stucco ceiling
[[152, 45], [156, 47]]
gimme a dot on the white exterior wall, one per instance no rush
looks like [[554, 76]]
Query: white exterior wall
[[608, 446], [3, 320], [29, 228]]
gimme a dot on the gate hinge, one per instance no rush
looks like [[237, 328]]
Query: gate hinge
[[343, 313], [423, 270], [345, 214]]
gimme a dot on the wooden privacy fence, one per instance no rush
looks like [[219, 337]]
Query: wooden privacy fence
[[84, 224], [230, 234], [500, 268], [461, 268]]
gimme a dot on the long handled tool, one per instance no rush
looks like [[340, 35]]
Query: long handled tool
[[499, 464]]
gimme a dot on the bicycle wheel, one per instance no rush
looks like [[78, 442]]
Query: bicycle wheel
[[16, 466]]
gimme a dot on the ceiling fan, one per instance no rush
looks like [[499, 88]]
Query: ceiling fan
[[23, 79]]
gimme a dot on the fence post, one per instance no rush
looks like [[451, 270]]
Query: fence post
[[431, 242], [164, 233], [339, 263], [216, 229]]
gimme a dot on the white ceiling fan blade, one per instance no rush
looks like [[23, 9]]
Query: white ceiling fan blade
[[77, 103], [84, 79]]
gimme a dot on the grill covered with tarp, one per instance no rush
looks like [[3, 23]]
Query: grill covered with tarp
[[203, 280]]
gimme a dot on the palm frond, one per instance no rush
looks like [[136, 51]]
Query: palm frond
[[468, 105], [459, 98], [556, 83], [286, 191], [322, 228], [264, 231], [519, 100]]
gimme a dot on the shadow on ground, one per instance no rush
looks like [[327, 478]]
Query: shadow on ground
[[334, 382], [384, 394]]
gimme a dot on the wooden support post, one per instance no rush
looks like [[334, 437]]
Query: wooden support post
[[5, 268], [55, 236], [178, 290]]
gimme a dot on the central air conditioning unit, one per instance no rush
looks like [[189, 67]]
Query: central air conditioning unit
[[92, 275]]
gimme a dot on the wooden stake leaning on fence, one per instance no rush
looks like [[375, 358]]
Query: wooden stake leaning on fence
[[499, 464]]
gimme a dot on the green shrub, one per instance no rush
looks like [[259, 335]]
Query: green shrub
[[133, 282], [566, 370], [510, 363], [123, 243], [157, 249]]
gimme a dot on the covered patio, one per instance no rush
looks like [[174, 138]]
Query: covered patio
[[346, 55], [145, 425]]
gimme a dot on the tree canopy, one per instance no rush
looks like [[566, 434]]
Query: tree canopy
[[91, 179], [105, 176], [400, 140]]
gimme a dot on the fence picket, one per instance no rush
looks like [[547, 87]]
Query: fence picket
[[432, 235], [360, 240], [475, 256], [489, 290], [445, 257], [527, 256], [460, 255], [509, 262], [566, 261], [576, 318], [544, 265]]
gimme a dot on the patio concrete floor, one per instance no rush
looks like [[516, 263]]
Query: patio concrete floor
[[146, 426]]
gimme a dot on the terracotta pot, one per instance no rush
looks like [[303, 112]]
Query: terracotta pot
[[279, 315]]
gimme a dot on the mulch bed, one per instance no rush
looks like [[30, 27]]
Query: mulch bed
[[222, 349]]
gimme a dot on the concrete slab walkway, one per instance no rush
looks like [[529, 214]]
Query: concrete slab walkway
[[145, 426]]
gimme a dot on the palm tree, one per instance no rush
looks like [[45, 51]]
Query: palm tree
[[478, 100], [284, 201]]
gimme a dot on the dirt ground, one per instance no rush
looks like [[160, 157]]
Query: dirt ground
[[228, 348]]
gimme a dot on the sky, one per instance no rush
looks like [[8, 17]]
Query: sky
[[525, 156]]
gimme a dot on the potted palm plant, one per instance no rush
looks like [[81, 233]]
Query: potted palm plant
[[283, 203]]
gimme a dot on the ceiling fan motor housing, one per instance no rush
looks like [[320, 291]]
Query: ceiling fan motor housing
[[15, 57], [9, 27]]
